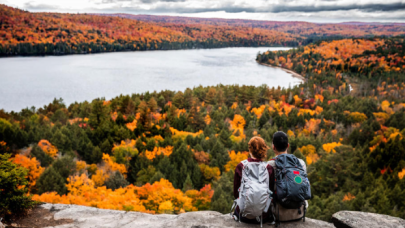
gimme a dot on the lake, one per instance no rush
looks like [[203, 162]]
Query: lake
[[36, 81]]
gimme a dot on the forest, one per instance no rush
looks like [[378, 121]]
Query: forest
[[23, 33], [305, 29], [176, 151]]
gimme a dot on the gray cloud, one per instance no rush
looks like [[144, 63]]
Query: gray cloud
[[371, 7], [154, 1], [31, 6], [279, 8], [319, 10], [142, 1], [114, 1]]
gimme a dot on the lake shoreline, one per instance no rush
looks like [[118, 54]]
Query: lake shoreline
[[293, 73], [147, 50]]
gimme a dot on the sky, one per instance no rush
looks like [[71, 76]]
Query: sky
[[320, 11]]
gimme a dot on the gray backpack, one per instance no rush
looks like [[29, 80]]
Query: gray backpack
[[254, 192]]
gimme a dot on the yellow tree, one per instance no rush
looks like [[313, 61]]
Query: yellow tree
[[309, 151], [48, 148], [235, 159], [330, 147]]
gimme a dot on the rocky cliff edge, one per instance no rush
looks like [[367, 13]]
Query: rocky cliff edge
[[64, 216]]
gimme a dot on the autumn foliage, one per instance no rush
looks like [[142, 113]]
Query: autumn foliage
[[48, 148], [33, 167], [159, 197], [55, 33], [236, 158]]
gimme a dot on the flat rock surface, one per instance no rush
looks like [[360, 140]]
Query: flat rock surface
[[87, 217], [356, 219]]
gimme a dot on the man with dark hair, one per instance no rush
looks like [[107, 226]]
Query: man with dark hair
[[280, 142], [280, 146]]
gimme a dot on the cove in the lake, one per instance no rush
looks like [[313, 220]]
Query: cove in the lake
[[36, 81]]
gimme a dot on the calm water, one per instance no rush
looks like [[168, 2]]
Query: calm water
[[36, 81]]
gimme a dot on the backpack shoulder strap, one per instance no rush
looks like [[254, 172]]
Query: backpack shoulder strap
[[272, 162], [244, 162], [304, 166]]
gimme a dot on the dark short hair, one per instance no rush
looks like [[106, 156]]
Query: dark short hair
[[280, 141]]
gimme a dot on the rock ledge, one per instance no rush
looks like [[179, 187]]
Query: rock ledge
[[64, 216], [86, 217], [357, 219]]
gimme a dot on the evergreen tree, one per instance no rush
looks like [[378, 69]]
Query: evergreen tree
[[219, 156], [178, 100], [150, 145], [59, 116], [152, 105], [14, 199], [145, 175], [161, 101], [188, 184], [106, 147], [61, 141], [116, 181], [223, 193], [51, 181], [65, 166], [157, 177], [144, 112], [139, 145], [87, 152], [41, 156], [99, 113], [120, 119], [264, 118], [136, 164], [224, 137], [96, 155], [164, 166], [197, 177]]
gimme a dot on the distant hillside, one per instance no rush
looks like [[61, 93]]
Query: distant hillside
[[25, 33], [346, 29]]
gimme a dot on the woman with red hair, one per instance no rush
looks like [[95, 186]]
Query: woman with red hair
[[257, 153]]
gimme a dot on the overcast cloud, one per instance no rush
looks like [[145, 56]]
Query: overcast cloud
[[281, 10]]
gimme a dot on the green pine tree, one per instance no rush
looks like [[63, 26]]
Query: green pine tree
[[41, 156], [219, 156], [65, 166], [13, 198], [115, 181], [223, 193], [145, 175], [106, 147], [157, 177], [51, 181], [188, 184]]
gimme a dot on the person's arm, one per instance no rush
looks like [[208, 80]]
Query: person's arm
[[237, 180], [271, 177]]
